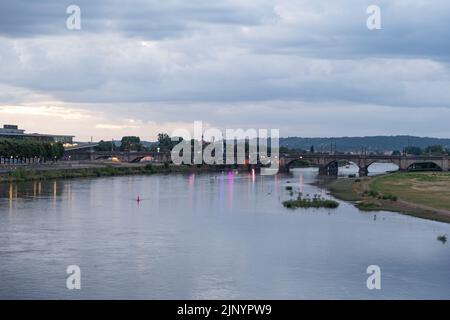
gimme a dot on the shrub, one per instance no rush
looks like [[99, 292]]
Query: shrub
[[311, 203], [373, 193]]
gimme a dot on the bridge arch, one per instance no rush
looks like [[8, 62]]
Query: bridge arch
[[139, 158], [425, 165], [387, 162], [289, 163], [103, 157]]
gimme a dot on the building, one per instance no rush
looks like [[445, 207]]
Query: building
[[13, 131]]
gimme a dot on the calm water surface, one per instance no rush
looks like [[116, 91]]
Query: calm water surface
[[223, 235]]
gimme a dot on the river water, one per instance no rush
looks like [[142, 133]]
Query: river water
[[212, 236]]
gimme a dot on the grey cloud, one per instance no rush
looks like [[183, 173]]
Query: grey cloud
[[337, 29], [136, 18], [224, 60]]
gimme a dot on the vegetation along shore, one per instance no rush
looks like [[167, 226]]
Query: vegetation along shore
[[55, 172]]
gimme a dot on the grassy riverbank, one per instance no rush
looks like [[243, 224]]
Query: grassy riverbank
[[52, 173], [425, 195]]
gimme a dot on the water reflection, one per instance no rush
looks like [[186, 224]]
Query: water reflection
[[220, 236], [230, 188], [34, 190]]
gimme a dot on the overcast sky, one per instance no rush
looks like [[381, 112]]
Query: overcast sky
[[306, 67]]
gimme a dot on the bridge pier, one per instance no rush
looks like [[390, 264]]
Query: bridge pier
[[363, 171], [91, 155], [445, 164], [329, 170]]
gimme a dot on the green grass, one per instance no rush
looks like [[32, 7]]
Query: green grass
[[367, 205], [430, 189], [343, 189]]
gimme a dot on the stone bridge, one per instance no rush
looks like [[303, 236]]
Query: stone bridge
[[91, 154], [133, 156], [328, 163]]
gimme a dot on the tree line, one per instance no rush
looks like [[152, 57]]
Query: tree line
[[134, 143], [28, 148], [433, 150]]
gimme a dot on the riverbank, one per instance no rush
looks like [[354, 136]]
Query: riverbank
[[425, 195], [53, 172]]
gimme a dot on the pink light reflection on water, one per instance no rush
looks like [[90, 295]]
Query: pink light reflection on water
[[191, 182], [230, 188]]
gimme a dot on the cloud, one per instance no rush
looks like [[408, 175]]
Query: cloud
[[63, 113], [138, 18], [226, 62]]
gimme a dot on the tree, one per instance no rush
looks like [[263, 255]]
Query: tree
[[131, 143], [283, 149], [164, 142], [416, 151], [396, 153], [104, 146], [435, 150], [28, 148], [57, 150]]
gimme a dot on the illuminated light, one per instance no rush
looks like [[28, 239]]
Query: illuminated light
[[147, 158]]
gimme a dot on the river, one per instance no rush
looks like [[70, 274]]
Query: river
[[212, 236]]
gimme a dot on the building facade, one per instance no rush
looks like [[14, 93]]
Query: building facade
[[13, 132]]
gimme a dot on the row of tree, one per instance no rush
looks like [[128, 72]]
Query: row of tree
[[133, 143], [165, 143], [128, 143], [434, 150], [27, 148]]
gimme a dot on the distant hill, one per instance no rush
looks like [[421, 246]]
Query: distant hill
[[372, 143]]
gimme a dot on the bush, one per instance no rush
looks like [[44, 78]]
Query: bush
[[316, 202], [389, 197], [373, 193], [442, 238], [367, 205]]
